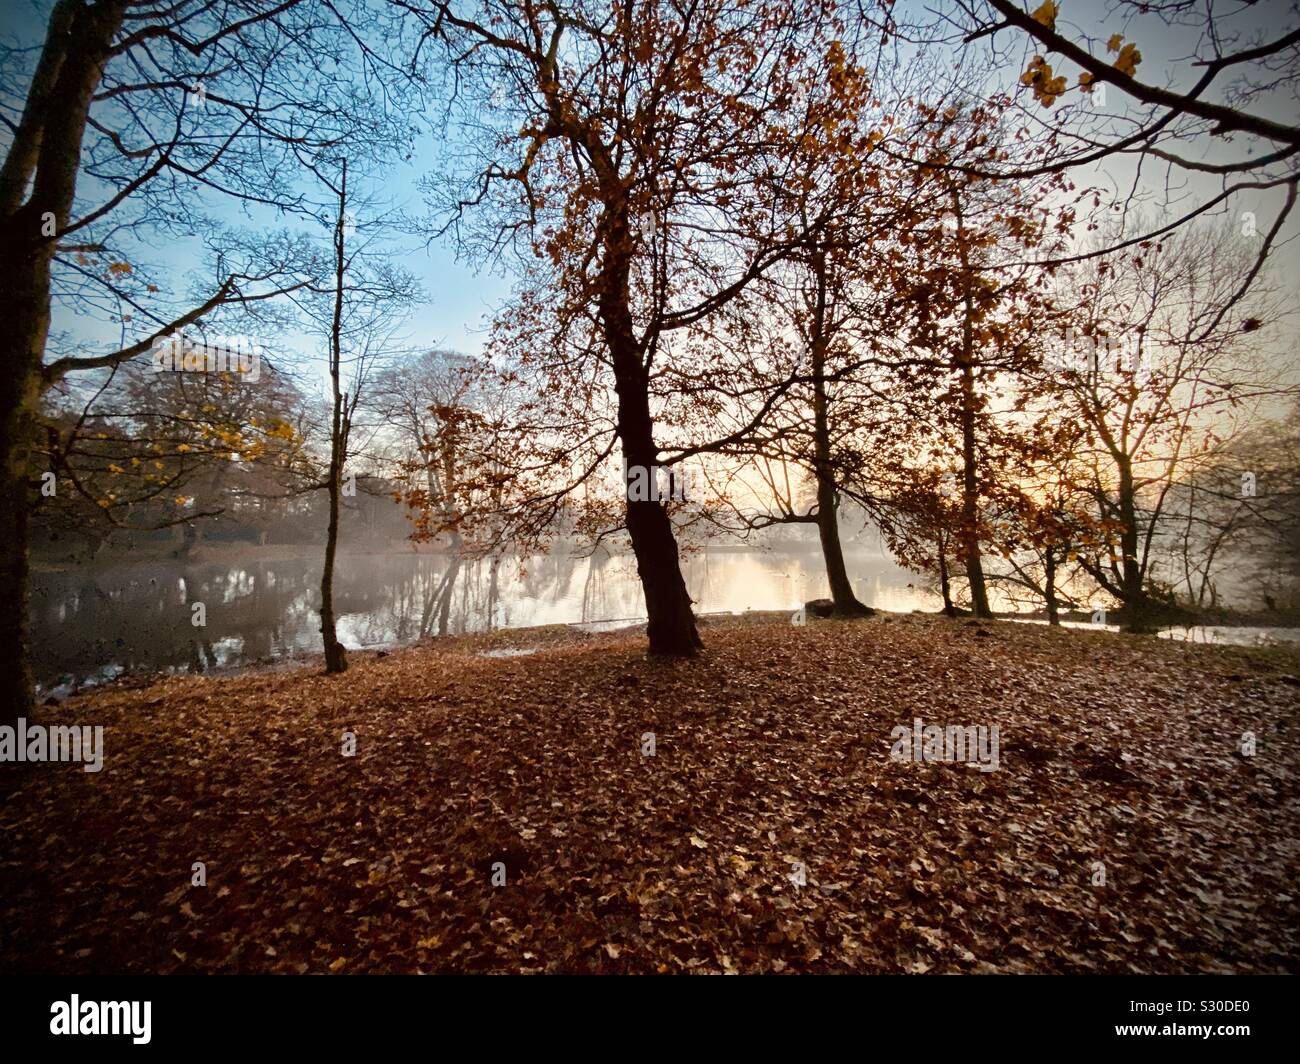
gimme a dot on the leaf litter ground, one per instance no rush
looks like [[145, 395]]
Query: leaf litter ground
[[1118, 755]]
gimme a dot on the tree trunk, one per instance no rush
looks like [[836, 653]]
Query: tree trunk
[[970, 540], [828, 527], [1132, 587], [945, 583], [37, 189], [26, 286], [336, 659], [671, 625], [828, 531], [19, 402], [17, 686], [1049, 590], [979, 595]]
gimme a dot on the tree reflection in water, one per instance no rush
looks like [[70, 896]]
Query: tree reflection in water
[[137, 617]]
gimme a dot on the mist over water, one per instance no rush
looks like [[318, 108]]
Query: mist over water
[[97, 622], [100, 621]]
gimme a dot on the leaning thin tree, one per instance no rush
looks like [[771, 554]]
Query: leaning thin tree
[[356, 315]]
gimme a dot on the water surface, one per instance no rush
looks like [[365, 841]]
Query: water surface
[[98, 622]]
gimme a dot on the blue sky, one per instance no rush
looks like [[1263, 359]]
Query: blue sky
[[462, 295]]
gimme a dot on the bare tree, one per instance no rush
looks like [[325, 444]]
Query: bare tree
[[1158, 378], [358, 317], [159, 109]]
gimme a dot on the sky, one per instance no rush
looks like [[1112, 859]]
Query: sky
[[461, 296]]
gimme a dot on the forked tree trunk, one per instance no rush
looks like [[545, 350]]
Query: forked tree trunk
[[37, 189], [671, 627], [1137, 606]]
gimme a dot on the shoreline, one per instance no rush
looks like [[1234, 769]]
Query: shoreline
[[509, 639]]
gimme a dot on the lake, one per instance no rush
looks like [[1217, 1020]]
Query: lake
[[99, 622]]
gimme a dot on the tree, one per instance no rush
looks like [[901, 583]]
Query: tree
[[1047, 520], [645, 149], [152, 448], [959, 325], [160, 109], [1158, 376], [356, 317], [1235, 519], [796, 392], [434, 406], [1208, 126]]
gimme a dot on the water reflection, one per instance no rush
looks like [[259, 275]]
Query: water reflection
[[1232, 636], [97, 622]]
